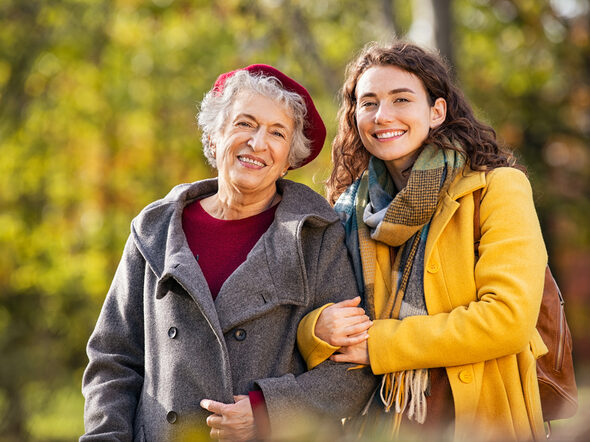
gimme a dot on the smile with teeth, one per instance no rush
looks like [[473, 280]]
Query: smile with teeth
[[390, 134], [251, 161]]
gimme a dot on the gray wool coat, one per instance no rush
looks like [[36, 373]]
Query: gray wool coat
[[161, 344]]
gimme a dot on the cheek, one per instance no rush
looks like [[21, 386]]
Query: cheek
[[282, 154], [361, 125], [224, 152]]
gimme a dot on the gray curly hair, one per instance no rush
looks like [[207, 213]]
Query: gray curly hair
[[215, 107]]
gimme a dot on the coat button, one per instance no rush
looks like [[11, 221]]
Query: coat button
[[432, 267], [171, 417], [240, 334], [172, 332], [465, 376]]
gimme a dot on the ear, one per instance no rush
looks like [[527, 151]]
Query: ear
[[438, 112], [212, 147]]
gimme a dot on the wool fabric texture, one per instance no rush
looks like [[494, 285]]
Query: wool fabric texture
[[380, 224]]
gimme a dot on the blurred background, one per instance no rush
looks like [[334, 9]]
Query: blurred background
[[97, 119]]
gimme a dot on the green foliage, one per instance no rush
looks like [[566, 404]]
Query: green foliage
[[97, 106]]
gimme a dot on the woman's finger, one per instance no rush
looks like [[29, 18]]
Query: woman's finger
[[213, 406], [356, 338], [357, 354], [354, 320], [343, 312], [348, 326], [339, 357], [340, 321], [214, 421], [333, 322], [348, 302], [345, 341], [216, 433], [353, 312], [336, 332], [358, 328]]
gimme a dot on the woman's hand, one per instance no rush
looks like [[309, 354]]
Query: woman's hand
[[343, 323], [233, 422], [357, 354]]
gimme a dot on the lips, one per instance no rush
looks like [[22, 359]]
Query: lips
[[388, 134], [251, 160]]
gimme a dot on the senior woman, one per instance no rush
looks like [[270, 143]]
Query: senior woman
[[199, 325]]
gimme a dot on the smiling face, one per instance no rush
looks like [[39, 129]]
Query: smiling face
[[253, 147], [394, 115]]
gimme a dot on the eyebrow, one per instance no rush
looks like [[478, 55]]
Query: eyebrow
[[391, 92], [251, 117]]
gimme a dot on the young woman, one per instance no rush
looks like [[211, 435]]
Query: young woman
[[452, 334]]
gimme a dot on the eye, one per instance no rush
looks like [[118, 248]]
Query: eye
[[279, 134], [401, 100], [243, 123], [366, 104]]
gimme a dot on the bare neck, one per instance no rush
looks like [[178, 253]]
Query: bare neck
[[231, 205], [400, 177]]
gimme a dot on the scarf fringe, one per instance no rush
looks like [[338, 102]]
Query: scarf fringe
[[405, 390]]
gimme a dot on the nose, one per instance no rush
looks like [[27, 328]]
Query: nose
[[384, 114], [257, 141]]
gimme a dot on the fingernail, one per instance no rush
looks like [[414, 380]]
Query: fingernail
[[204, 403]]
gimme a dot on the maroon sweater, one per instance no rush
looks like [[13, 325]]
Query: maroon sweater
[[220, 246]]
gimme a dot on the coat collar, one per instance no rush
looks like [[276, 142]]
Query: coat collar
[[465, 183], [274, 273], [159, 226], [158, 234]]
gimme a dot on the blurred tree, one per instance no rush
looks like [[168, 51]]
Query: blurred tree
[[97, 104], [526, 66]]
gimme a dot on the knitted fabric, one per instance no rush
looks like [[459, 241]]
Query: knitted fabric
[[379, 221]]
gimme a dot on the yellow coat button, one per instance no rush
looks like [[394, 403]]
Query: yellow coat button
[[466, 377], [432, 267]]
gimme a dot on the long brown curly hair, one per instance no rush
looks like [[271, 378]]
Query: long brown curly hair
[[460, 131]]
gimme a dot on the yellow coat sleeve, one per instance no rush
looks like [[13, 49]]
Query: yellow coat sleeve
[[313, 349], [498, 317]]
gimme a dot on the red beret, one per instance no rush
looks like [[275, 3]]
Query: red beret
[[314, 129]]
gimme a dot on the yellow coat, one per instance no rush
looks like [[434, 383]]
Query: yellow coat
[[481, 324]]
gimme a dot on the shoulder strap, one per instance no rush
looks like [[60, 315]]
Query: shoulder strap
[[555, 370]]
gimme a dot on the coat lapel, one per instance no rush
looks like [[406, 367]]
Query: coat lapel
[[462, 185], [266, 279], [181, 266], [160, 238], [274, 272]]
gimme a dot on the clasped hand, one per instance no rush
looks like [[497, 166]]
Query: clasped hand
[[345, 325], [233, 422]]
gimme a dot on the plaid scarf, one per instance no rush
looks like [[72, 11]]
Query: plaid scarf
[[377, 221]]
